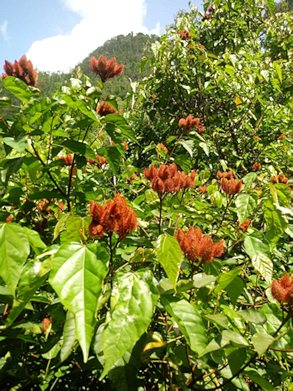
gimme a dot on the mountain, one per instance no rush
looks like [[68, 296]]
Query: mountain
[[128, 50]]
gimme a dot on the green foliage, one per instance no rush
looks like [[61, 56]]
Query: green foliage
[[88, 301]]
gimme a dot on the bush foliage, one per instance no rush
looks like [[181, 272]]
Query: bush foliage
[[150, 249]]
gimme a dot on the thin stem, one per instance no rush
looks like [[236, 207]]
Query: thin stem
[[224, 214], [48, 172], [70, 183], [160, 216]]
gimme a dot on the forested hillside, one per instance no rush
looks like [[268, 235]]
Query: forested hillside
[[128, 50]]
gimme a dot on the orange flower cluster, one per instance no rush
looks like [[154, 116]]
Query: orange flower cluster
[[115, 216], [162, 148], [104, 109], [256, 166], [46, 324], [201, 47], [167, 179], [184, 34], [227, 174], [282, 137], [101, 160], [244, 225], [22, 69], [125, 145], [280, 178], [199, 247], [68, 159], [105, 68], [189, 122], [231, 186], [202, 189], [9, 219], [282, 289]]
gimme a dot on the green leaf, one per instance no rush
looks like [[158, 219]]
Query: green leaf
[[33, 275], [261, 341], [271, 6], [278, 70], [188, 145], [201, 279], [113, 157], [130, 317], [253, 316], [170, 256], [10, 167], [276, 224], [18, 88], [226, 278], [220, 319], [189, 320], [205, 148], [79, 148], [5, 101], [68, 337], [77, 276], [235, 288], [14, 251], [229, 336], [18, 145], [121, 124], [35, 241], [257, 248], [69, 228], [245, 204], [258, 379]]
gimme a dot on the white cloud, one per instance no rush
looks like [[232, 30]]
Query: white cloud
[[3, 30], [100, 20]]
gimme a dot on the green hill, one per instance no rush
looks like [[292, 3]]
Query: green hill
[[128, 50]]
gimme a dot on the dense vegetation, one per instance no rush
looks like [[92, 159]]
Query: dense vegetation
[[127, 49], [150, 248]]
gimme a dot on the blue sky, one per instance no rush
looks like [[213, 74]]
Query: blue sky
[[57, 34]]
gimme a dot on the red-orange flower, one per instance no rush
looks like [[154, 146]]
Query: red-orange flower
[[115, 216], [105, 108], [9, 219], [231, 186], [282, 289], [184, 34], [197, 246], [256, 166], [162, 148], [46, 324], [125, 145], [22, 69], [280, 178], [43, 206], [244, 225], [68, 159], [282, 137], [226, 174], [189, 122], [202, 189], [167, 179], [105, 68]]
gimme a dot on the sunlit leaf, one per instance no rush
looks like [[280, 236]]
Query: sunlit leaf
[[169, 255], [189, 320], [77, 276], [14, 250], [130, 316]]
